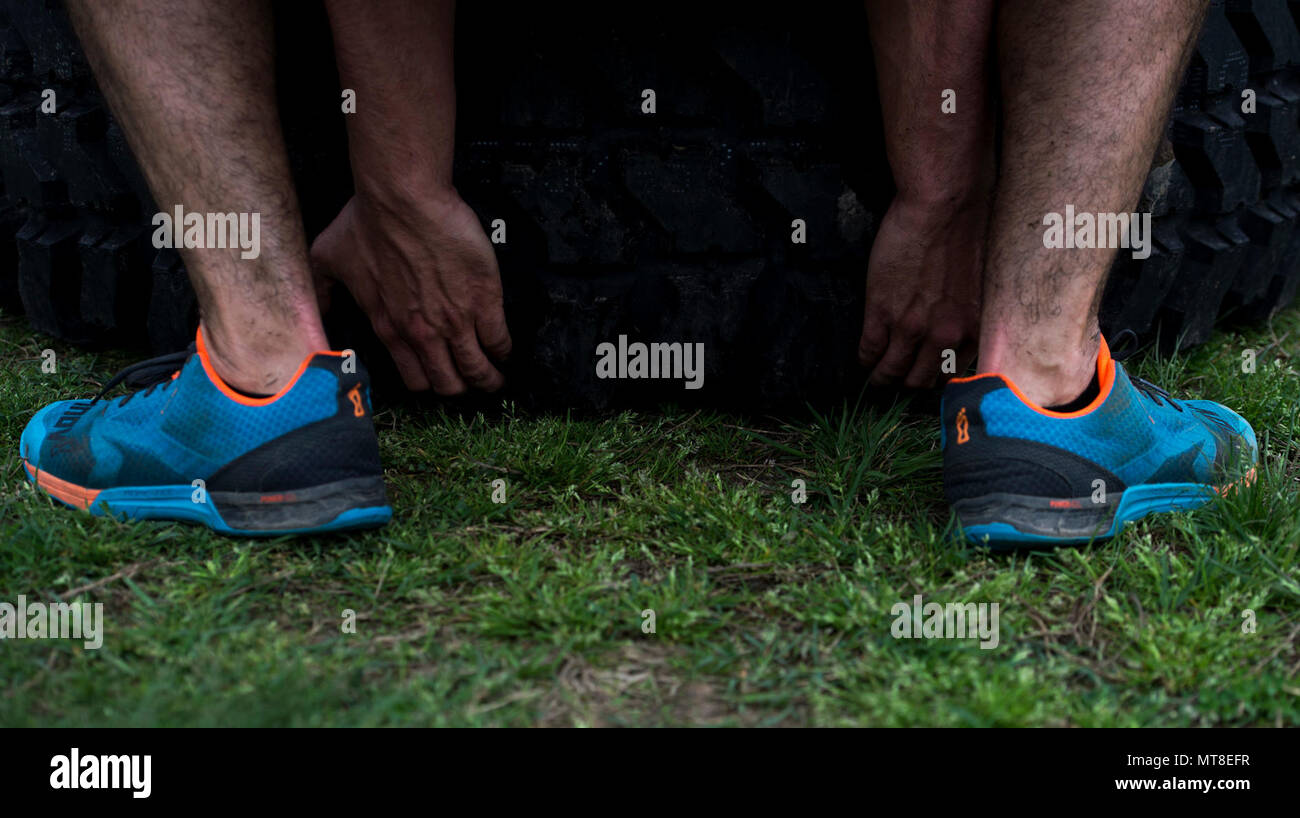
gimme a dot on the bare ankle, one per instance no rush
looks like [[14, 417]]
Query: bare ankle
[[1047, 378], [260, 363]]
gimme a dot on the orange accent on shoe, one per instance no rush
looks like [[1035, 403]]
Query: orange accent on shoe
[[1105, 378], [1245, 481], [70, 493], [244, 399], [963, 426], [354, 395]]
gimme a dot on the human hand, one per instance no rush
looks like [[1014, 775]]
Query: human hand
[[425, 274]]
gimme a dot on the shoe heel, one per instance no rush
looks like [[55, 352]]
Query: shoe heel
[[1020, 518], [359, 502]]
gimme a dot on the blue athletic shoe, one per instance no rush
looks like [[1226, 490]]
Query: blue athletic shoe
[[190, 448], [1020, 475]]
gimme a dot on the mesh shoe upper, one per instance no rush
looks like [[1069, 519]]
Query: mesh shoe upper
[[1132, 434], [191, 427]]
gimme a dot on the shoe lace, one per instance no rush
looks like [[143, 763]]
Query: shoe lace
[[1126, 341], [146, 376], [1154, 392]]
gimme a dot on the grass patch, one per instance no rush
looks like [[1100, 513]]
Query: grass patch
[[767, 613]]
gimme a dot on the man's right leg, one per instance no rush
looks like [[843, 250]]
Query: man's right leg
[[262, 430], [1052, 441], [191, 82], [1087, 88]]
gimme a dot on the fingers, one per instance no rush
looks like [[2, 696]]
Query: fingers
[[875, 339], [473, 365], [453, 356], [409, 365], [927, 365], [435, 303], [893, 365], [435, 358], [440, 369], [921, 360], [425, 358], [493, 333], [899, 357], [945, 353], [919, 348]]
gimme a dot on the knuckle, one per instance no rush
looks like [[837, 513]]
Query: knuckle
[[421, 333], [912, 330], [476, 372], [383, 329], [947, 337], [463, 345], [457, 322], [450, 319]]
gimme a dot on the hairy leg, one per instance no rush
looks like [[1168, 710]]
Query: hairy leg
[[1087, 86], [923, 278], [191, 83]]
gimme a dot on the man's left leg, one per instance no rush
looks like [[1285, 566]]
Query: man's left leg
[[262, 429]]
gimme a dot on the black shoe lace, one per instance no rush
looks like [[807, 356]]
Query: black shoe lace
[[1154, 392], [1126, 342], [150, 373], [1124, 345]]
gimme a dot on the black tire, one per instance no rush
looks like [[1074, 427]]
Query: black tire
[[670, 227]]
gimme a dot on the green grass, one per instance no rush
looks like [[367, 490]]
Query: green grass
[[767, 613]]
